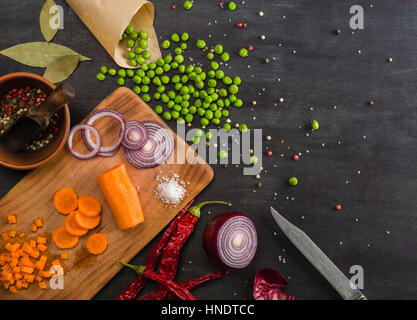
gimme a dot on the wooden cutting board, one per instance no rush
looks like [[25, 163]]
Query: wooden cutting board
[[31, 198]]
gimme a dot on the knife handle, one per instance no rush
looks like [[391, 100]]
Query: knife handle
[[362, 298]]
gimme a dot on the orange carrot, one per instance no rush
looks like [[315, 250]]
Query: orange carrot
[[41, 240], [12, 234], [72, 226], [34, 228], [12, 289], [96, 243], [122, 197], [42, 285], [12, 219], [65, 200], [86, 222], [63, 239], [64, 255], [5, 236], [42, 247], [38, 222], [89, 206]]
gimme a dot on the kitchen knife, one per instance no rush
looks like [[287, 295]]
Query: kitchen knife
[[318, 259]]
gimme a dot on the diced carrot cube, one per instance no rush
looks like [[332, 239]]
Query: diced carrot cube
[[8, 246], [64, 255], [15, 247], [39, 277], [22, 235], [34, 228], [29, 277], [42, 285], [12, 234], [19, 284], [39, 223], [12, 289], [27, 248], [32, 243], [24, 284], [11, 219], [35, 254], [40, 264], [47, 274], [17, 269], [6, 285], [41, 240], [26, 269], [42, 247], [5, 236], [56, 262], [18, 276]]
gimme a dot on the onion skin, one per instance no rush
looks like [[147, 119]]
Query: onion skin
[[210, 237]]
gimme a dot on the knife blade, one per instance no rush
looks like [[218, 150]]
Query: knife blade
[[318, 259]]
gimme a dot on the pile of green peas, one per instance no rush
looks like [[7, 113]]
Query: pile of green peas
[[184, 91], [137, 46]]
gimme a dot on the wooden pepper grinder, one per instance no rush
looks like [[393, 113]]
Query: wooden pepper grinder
[[37, 119]]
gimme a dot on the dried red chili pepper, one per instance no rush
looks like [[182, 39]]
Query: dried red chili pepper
[[173, 287], [169, 261], [189, 285], [154, 257]]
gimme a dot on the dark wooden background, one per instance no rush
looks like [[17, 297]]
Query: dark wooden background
[[363, 157]]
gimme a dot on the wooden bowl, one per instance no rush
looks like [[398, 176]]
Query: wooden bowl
[[33, 159]]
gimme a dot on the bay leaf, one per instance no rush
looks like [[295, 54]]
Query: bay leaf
[[48, 19], [61, 68], [39, 54]]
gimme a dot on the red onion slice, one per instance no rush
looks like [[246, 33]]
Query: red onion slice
[[135, 135], [104, 151], [230, 240], [157, 149], [84, 128]]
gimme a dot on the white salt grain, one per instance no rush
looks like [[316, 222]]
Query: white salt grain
[[170, 190]]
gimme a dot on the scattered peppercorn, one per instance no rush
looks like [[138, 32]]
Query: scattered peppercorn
[[267, 60], [389, 59], [240, 25], [260, 13], [371, 102], [259, 184], [338, 32], [268, 138], [250, 48], [338, 207], [296, 157], [262, 37], [269, 153]]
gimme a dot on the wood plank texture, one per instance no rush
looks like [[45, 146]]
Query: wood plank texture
[[32, 197]]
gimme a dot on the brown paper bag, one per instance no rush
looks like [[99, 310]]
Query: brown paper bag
[[108, 19]]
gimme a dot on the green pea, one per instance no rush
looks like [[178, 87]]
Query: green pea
[[232, 98], [129, 29], [130, 43], [160, 89], [227, 127], [177, 51], [219, 74], [170, 104], [206, 105], [121, 73], [191, 89], [131, 55], [166, 44], [146, 80], [203, 75], [225, 113], [130, 73], [167, 116], [209, 135], [165, 79], [203, 94], [143, 34], [214, 96], [146, 97], [100, 77], [214, 65], [166, 68], [179, 58], [233, 89], [176, 79], [175, 37], [103, 69], [175, 114], [210, 56], [157, 81], [185, 103], [150, 74], [200, 85], [237, 81], [140, 60], [177, 107], [217, 114], [133, 63], [184, 111], [201, 112], [188, 5], [157, 96], [211, 74], [183, 46], [208, 99], [293, 181], [238, 103], [196, 139], [223, 93], [243, 52], [181, 69], [215, 121], [198, 70], [140, 73], [144, 67], [171, 94], [315, 125], [180, 120], [152, 65], [124, 36], [184, 79], [178, 86], [168, 58], [121, 81], [184, 90], [209, 114], [201, 44], [253, 160], [227, 81], [189, 69], [159, 71], [227, 102], [178, 99], [212, 83], [112, 72], [144, 88], [198, 102], [225, 57], [174, 65], [243, 128], [134, 36], [164, 98], [189, 118], [158, 109], [218, 49], [220, 103], [210, 91], [232, 6], [204, 122], [137, 50], [222, 154], [136, 89], [146, 54]]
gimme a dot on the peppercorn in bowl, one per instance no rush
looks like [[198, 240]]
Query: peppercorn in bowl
[[20, 92]]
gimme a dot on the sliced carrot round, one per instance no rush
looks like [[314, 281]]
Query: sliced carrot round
[[63, 239], [96, 243], [72, 227], [65, 200], [86, 222], [89, 206]]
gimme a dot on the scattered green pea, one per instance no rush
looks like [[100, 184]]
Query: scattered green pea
[[185, 36], [167, 115], [243, 52], [293, 181], [196, 139], [201, 44], [130, 73], [238, 103], [136, 89], [166, 44], [129, 29], [253, 160], [222, 154], [225, 57], [159, 109], [188, 5], [134, 36], [146, 97], [232, 6], [227, 127], [243, 128], [103, 70], [143, 35], [210, 56], [218, 49], [237, 81], [189, 118], [122, 73], [175, 37], [183, 46], [146, 54], [121, 81], [179, 58], [315, 125], [219, 74], [214, 65], [204, 122], [130, 43], [100, 77]]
